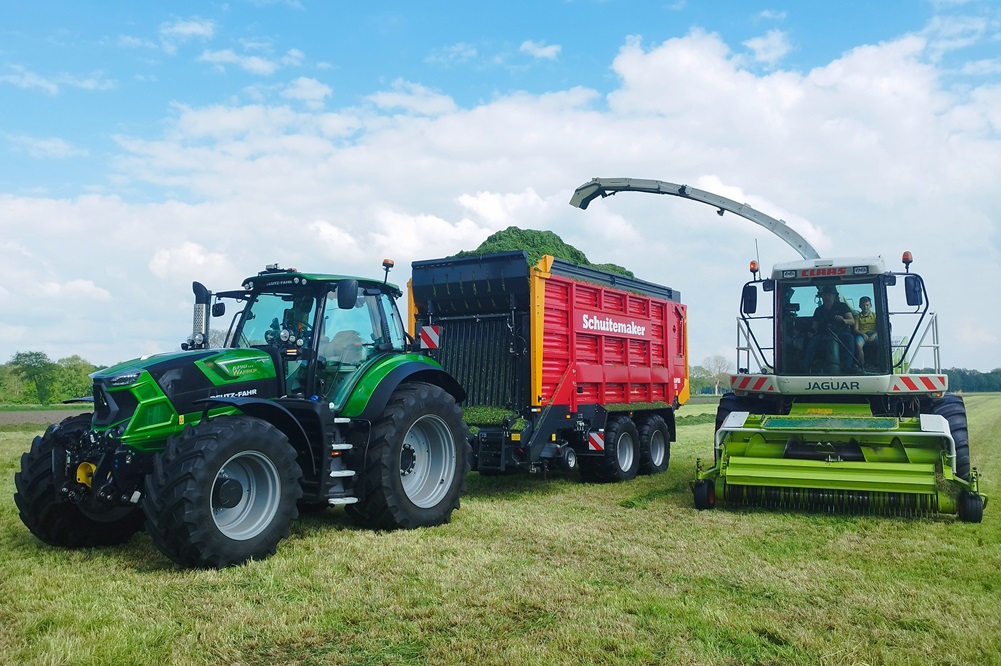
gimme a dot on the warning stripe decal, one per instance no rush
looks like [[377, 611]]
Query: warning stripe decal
[[596, 441], [430, 337]]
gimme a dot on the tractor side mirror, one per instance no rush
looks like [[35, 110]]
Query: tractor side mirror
[[218, 309], [749, 299], [912, 287], [347, 294]]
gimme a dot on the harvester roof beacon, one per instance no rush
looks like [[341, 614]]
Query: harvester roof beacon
[[824, 412]]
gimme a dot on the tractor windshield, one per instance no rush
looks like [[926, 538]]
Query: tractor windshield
[[281, 320]]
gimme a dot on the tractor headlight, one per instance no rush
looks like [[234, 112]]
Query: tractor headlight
[[124, 379], [198, 338]]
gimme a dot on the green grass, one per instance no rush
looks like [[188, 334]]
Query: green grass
[[534, 572]]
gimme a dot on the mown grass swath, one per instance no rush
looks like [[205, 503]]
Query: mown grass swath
[[535, 572]]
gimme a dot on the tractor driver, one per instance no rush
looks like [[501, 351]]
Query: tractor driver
[[832, 321]]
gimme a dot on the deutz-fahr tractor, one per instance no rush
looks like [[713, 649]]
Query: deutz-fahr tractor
[[313, 396], [824, 412]]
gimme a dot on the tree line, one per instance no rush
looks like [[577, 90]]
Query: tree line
[[31, 378]]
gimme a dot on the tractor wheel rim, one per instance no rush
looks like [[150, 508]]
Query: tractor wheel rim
[[246, 517], [427, 461]]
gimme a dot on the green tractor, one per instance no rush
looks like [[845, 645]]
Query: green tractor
[[830, 418], [313, 396]]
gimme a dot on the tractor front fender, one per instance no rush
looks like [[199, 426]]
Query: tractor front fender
[[266, 410], [371, 405]]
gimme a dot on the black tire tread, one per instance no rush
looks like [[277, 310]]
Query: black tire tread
[[55, 521], [646, 427]]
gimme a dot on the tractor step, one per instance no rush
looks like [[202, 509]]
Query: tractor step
[[341, 473], [335, 501]]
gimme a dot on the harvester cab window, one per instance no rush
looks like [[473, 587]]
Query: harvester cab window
[[817, 327]]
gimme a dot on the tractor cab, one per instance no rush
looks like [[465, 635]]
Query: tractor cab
[[319, 330], [833, 317]]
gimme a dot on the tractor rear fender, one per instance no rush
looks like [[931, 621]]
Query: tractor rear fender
[[273, 413], [410, 371]]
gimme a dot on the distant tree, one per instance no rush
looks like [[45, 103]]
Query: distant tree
[[72, 378], [37, 370], [701, 379], [13, 387], [719, 371]]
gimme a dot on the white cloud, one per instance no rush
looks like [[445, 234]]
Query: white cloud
[[182, 31], [455, 53], [251, 63], [540, 50], [22, 78], [770, 48], [414, 98], [44, 148], [307, 90]]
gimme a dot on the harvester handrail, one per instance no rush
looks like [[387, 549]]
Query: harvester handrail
[[750, 347], [603, 187]]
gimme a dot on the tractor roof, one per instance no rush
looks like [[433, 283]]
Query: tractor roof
[[828, 267]]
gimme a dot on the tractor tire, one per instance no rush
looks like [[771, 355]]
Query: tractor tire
[[59, 522], [952, 407], [621, 459], [704, 494], [655, 445], [971, 507], [223, 492], [416, 464]]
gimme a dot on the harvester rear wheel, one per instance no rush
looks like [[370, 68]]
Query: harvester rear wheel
[[655, 445], [704, 494], [621, 459], [57, 521], [223, 492], [971, 507], [952, 407], [417, 462]]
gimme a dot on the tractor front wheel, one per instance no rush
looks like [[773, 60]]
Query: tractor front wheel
[[416, 464], [55, 520], [223, 492]]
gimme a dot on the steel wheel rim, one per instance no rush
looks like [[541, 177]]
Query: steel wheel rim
[[261, 493], [624, 451], [427, 461], [657, 448]]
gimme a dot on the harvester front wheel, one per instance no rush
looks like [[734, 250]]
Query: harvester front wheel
[[223, 492], [416, 465], [57, 521], [621, 459], [655, 445], [971, 507], [952, 407], [704, 493]]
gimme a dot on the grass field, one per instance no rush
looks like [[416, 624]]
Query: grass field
[[534, 572]]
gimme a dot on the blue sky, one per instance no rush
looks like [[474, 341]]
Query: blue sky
[[144, 145]]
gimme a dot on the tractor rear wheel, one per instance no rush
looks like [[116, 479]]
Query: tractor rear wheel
[[655, 445], [57, 521], [416, 464], [621, 459], [952, 407], [223, 492]]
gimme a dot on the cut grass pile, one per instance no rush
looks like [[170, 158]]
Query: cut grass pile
[[534, 572]]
